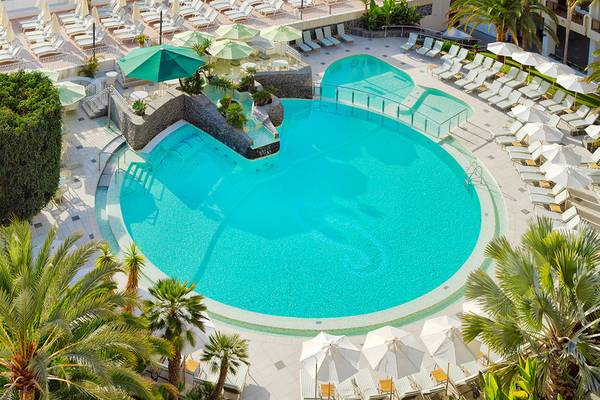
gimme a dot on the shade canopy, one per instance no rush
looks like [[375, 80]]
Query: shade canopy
[[503, 48], [84, 9], [566, 155], [454, 33], [236, 32], [175, 7], [333, 358], [9, 34], [443, 340], [576, 83], [45, 10], [393, 352], [191, 38], [528, 58], [230, 49], [593, 131], [281, 33], [70, 93], [55, 24], [537, 131], [530, 114], [136, 16], [96, 15], [554, 69], [160, 63], [567, 176], [4, 20]]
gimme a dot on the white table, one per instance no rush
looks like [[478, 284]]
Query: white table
[[280, 64], [138, 95], [111, 77]]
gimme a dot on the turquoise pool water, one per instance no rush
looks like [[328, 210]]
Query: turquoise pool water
[[369, 82], [356, 214]]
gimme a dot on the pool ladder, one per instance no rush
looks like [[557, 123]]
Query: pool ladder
[[474, 173]]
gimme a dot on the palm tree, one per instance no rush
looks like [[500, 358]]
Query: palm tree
[[543, 304], [571, 6], [133, 263], [174, 313], [503, 14], [225, 353], [534, 14], [595, 68], [61, 334]]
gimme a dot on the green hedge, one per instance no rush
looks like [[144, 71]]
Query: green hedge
[[30, 143]]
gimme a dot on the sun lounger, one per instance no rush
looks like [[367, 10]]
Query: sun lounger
[[446, 65], [532, 177], [533, 85], [348, 390], [528, 168], [583, 123], [558, 97], [462, 54], [501, 96], [494, 69], [512, 74], [411, 42], [492, 91], [366, 384], [470, 77], [85, 41], [477, 83], [171, 26], [128, 33], [512, 100], [191, 8], [437, 48], [329, 36], [36, 23], [404, 389], [10, 55], [426, 384], [544, 191], [571, 225], [427, 45], [303, 47], [518, 81], [540, 91], [486, 64], [204, 21], [542, 199], [507, 135], [475, 63], [342, 34], [455, 69], [78, 29], [529, 150], [307, 39], [54, 48], [567, 103], [222, 5], [272, 9], [565, 216], [452, 53], [321, 39], [581, 112]]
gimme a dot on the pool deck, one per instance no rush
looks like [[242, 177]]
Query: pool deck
[[274, 371]]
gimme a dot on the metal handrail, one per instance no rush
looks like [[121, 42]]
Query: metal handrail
[[429, 32], [399, 106]]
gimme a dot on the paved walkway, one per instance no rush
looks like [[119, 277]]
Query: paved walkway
[[274, 371]]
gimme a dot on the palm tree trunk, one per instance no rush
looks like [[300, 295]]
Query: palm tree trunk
[[567, 33], [559, 381], [216, 394], [27, 394], [174, 364]]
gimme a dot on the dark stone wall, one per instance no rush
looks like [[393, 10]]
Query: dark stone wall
[[289, 83]]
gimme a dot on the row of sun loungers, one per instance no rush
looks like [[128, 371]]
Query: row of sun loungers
[[323, 37]]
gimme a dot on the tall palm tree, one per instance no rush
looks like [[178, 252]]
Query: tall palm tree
[[61, 333], [544, 304], [534, 14], [503, 14], [133, 263], [225, 353], [173, 313]]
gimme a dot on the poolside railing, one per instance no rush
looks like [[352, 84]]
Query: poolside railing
[[390, 108], [407, 29]]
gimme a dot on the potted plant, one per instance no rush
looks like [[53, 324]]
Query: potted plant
[[246, 84], [139, 107], [235, 116], [90, 68], [141, 39]]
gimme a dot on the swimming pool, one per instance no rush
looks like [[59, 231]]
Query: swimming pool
[[355, 215], [368, 82]]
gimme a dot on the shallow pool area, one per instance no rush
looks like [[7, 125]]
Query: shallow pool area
[[353, 216]]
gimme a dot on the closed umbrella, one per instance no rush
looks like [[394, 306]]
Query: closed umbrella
[[576, 83], [540, 132], [393, 352], [443, 340], [503, 48], [229, 50], [593, 131], [281, 33], [236, 32], [84, 10], [567, 176], [9, 34], [329, 358], [160, 63], [191, 38], [96, 16], [55, 25], [70, 93], [121, 4], [136, 17], [45, 10], [4, 21], [530, 114], [175, 8]]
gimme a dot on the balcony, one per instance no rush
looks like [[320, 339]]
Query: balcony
[[561, 11]]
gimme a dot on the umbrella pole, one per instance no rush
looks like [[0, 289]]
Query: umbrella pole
[[391, 387], [160, 28], [315, 377], [447, 378], [93, 40]]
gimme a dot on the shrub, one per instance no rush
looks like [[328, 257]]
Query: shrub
[[90, 68], [246, 83], [235, 116], [193, 84], [139, 107], [30, 143], [224, 104], [391, 13], [222, 83], [141, 40], [262, 97]]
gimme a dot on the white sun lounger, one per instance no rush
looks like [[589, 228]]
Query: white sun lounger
[[446, 65], [477, 83], [342, 34], [307, 39], [518, 81], [567, 103], [540, 91], [485, 65], [366, 383], [321, 39], [10, 55], [501, 96], [512, 100], [559, 199], [427, 44], [452, 53], [512, 74], [492, 91], [204, 21], [437, 48], [544, 191], [528, 150], [565, 216], [54, 48], [533, 85], [329, 36], [411, 42], [303, 47], [470, 77], [494, 69], [462, 54], [558, 97], [475, 63], [581, 112], [455, 69], [579, 124]]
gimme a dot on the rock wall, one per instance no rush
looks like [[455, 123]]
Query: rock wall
[[289, 83]]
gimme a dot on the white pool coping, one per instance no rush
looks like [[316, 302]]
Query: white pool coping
[[493, 223]]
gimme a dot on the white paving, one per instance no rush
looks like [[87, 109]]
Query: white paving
[[274, 371]]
